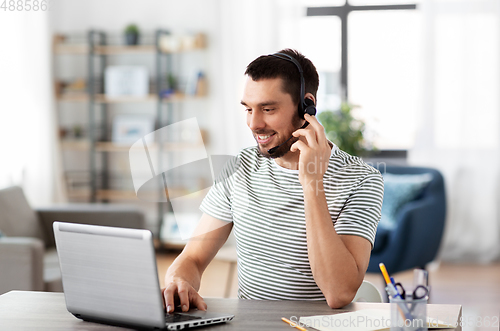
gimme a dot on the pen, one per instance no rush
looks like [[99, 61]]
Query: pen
[[393, 282], [293, 324], [393, 292]]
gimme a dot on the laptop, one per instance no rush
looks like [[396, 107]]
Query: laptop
[[109, 276]]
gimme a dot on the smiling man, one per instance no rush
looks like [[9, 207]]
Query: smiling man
[[304, 212]]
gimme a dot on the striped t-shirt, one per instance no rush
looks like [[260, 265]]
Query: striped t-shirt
[[265, 202]]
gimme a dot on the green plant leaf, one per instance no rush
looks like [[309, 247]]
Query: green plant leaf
[[344, 130], [132, 29]]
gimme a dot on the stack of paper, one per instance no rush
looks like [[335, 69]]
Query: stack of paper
[[361, 320]]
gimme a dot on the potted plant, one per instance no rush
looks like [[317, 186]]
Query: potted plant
[[132, 34], [344, 130]]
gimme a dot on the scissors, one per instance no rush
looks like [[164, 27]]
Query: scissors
[[419, 292]]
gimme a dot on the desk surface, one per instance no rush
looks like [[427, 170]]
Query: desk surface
[[21, 310]]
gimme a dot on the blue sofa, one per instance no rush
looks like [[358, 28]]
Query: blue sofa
[[416, 239]]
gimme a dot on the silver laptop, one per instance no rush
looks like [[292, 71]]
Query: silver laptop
[[109, 276]]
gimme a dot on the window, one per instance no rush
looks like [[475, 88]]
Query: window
[[383, 71], [384, 74]]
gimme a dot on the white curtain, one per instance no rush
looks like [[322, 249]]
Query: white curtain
[[28, 131], [460, 122], [247, 29]]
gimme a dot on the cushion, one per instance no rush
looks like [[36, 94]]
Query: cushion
[[381, 239], [52, 272], [17, 218], [398, 191]]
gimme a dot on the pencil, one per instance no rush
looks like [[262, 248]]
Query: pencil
[[384, 273], [293, 324]]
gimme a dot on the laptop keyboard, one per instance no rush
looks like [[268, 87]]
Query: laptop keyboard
[[175, 318]]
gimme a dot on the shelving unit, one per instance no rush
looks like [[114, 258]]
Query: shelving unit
[[93, 143]]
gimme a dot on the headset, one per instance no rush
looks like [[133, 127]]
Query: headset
[[306, 105]]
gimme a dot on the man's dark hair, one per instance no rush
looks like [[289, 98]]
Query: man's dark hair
[[268, 67]]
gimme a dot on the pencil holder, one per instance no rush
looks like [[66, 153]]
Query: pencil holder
[[409, 314]]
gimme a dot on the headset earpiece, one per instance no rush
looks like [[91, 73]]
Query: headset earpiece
[[309, 107]]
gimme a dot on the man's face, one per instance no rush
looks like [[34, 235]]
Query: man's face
[[271, 115]]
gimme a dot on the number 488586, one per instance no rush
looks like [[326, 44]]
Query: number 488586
[[25, 5]]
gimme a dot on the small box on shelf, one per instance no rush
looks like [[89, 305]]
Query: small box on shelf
[[173, 43]]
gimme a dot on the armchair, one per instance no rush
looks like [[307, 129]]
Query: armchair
[[416, 238], [28, 258]]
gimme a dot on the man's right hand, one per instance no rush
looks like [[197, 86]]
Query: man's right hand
[[180, 292], [183, 277]]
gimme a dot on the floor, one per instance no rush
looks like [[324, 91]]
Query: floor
[[475, 287]]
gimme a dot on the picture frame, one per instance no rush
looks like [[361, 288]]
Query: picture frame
[[127, 128], [131, 81]]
